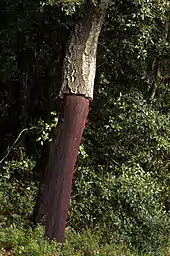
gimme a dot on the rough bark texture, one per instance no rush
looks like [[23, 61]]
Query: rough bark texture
[[54, 194], [80, 60]]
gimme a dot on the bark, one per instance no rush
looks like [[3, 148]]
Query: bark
[[77, 88], [80, 60], [54, 194]]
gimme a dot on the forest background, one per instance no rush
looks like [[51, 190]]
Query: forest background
[[121, 184]]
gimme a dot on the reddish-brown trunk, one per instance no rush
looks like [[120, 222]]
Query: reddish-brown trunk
[[55, 190]]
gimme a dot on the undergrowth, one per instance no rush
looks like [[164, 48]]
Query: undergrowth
[[21, 242]]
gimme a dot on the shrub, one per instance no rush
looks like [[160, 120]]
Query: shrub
[[26, 243], [86, 243], [17, 191], [121, 179]]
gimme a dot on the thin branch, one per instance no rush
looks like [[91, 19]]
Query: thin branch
[[19, 136]]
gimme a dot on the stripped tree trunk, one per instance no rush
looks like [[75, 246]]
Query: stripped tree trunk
[[77, 89]]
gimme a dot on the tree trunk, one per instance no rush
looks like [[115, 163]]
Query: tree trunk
[[77, 88], [55, 190]]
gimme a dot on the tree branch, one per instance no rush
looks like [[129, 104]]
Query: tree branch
[[19, 136]]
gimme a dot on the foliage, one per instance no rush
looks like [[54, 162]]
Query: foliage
[[17, 191], [86, 243], [68, 6], [30, 243], [46, 128], [121, 180], [124, 169], [129, 205]]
